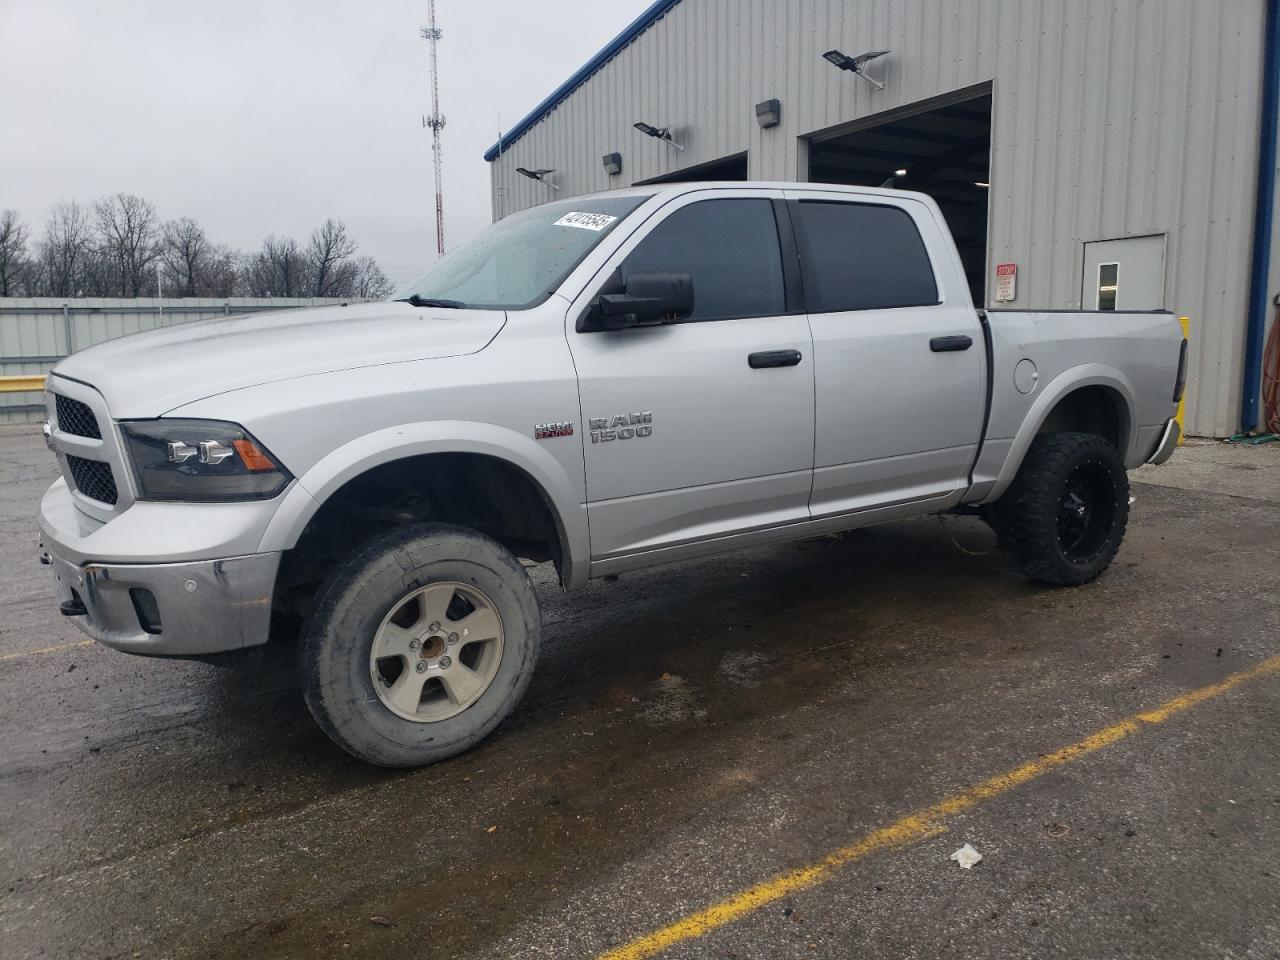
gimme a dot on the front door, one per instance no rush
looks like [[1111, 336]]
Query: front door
[[898, 351], [687, 438]]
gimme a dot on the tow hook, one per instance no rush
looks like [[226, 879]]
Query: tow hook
[[73, 608]]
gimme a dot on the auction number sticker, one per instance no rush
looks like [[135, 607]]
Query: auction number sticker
[[586, 221]]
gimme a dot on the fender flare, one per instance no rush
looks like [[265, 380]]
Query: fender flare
[[1067, 382], [323, 479]]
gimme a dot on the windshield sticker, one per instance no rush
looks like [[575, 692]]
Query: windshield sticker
[[587, 221]]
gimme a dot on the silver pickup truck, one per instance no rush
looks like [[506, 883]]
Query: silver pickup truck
[[606, 383]]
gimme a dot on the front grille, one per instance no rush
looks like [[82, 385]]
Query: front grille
[[76, 418], [93, 478]]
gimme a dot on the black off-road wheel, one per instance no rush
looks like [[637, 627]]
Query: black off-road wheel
[[1062, 519], [419, 644]]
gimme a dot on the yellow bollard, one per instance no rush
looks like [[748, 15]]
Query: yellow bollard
[[1182, 403]]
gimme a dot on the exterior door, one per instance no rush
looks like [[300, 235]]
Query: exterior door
[[898, 351], [685, 439], [1125, 274]]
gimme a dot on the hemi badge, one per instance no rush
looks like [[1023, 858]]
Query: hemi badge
[[557, 428]]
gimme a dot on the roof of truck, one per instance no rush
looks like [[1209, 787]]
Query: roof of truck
[[689, 186]]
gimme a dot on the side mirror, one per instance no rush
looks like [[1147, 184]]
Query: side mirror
[[646, 300]]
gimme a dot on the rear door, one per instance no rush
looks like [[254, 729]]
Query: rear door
[[687, 438], [898, 351]]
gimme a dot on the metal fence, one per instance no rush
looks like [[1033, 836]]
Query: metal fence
[[37, 332]]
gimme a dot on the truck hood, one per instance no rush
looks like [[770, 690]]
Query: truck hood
[[148, 374]]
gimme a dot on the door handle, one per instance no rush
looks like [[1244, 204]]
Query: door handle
[[948, 344], [773, 358]]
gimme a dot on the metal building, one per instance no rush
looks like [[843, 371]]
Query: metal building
[[1129, 145]]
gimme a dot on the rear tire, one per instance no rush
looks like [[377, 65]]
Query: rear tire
[[419, 644], [1062, 519]]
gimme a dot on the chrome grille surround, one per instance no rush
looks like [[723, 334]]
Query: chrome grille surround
[[106, 449]]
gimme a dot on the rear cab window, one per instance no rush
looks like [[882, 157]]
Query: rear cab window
[[861, 256]]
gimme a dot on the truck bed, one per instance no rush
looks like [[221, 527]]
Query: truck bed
[[1055, 353]]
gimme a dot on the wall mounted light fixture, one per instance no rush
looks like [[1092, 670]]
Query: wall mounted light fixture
[[658, 133], [855, 64], [539, 175], [769, 113]]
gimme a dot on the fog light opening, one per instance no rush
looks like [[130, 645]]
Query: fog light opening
[[145, 606]]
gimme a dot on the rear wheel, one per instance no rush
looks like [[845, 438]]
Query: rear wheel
[[1063, 517], [419, 645]]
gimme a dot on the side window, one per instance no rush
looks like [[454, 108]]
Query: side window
[[730, 250], [1108, 285], [859, 256]]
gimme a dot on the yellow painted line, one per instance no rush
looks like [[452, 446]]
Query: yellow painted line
[[21, 384], [917, 826], [54, 649]]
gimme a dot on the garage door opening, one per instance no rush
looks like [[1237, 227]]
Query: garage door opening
[[944, 152], [726, 168]]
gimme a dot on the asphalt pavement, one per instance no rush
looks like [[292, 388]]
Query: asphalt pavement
[[767, 755]]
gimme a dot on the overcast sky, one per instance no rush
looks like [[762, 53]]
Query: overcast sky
[[266, 116]]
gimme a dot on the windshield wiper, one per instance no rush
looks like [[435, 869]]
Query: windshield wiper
[[417, 301]]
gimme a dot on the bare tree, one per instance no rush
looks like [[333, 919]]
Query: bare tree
[[328, 248], [127, 231], [13, 253], [370, 282], [99, 273], [111, 248], [279, 269], [185, 251], [222, 275], [64, 252]]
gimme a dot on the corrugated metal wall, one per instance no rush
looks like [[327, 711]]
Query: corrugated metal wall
[[35, 332], [1112, 118]]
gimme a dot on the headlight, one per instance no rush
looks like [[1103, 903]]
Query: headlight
[[201, 460]]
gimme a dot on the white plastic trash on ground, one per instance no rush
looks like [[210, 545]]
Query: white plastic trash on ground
[[966, 856]]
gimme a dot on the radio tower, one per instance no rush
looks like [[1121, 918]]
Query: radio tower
[[431, 33]]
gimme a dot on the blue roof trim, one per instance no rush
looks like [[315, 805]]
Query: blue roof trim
[[633, 30]]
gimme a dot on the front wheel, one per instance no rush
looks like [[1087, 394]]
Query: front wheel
[[1063, 517], [419, 645]]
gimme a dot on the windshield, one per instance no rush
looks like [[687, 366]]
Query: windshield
[[518, 261]]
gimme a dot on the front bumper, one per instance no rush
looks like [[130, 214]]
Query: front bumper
[[209, 606], [1168, 443], [206, 604]]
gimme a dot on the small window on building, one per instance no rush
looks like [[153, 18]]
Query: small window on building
[[1108, 285], [730, 250], [860, 256]]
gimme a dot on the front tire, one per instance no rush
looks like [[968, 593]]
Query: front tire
[[1062, 519], [419, 644]]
